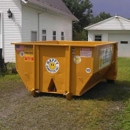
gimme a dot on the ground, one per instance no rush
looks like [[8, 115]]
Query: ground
[[104, 107]]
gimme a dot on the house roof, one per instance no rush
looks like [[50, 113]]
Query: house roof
[[113, 23], [53, 5]]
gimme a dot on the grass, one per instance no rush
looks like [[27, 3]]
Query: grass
[[104, 107]]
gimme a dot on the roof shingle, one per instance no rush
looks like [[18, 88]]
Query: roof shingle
[[59, 5]]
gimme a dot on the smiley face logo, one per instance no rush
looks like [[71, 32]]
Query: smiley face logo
[[52, 65]]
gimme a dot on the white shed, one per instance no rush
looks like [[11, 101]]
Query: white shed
[[33, 20], [115, 28]]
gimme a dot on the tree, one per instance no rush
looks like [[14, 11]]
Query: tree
[[82, 9], [100, 17]]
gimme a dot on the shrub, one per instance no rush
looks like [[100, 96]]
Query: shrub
[[3, 66]]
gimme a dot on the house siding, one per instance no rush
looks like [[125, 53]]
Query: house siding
[[91, 35], [29, 21], [24, 20], [122, 35], [11, 27], [47, 21], [105, 34], [115, 28]]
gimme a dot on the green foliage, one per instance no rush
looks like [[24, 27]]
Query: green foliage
[[82, 35], [2, 66], [124, 75], [11, 69], [82, 9], [7, 68], [102, 16]]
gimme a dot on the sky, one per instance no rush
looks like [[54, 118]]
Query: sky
[[119, 7]]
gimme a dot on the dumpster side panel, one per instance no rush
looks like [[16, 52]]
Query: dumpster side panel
[[52, 69], [94, 79], [112, 72], [25, 64], [81, 68], [105, 65], [103, 56]]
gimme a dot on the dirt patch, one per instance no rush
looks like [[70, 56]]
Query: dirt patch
[[20, 110]]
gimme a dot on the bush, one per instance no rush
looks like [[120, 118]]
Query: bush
[[11, 69], [6, 68], [3, 66], [80, 36]]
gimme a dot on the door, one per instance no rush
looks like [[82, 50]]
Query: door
[[123, 43]]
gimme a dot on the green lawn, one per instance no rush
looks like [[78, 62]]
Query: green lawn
[[104, 107]]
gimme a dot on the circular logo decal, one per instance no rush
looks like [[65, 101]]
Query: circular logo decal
[[88, 70], [52, 65], [21, 53], [77, 59]]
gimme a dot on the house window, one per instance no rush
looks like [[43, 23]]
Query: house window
[[98, 37], [62, 36], [33, 36], [54, 35], [43, 35], [124, 42]]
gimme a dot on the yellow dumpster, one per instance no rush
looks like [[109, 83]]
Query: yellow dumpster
[[65, 67]]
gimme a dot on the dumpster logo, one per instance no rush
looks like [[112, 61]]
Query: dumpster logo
[[52, 65], [105, 56], [19, 47], [77, 59], [21, 53], [88, 70], [29, 58]]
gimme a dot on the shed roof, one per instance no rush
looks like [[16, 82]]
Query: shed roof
[[54, 5], [113, 23]]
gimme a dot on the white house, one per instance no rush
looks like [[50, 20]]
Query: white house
[[112, 29], [32, 20]]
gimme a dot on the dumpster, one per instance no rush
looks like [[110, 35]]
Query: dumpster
[[70, 68]]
